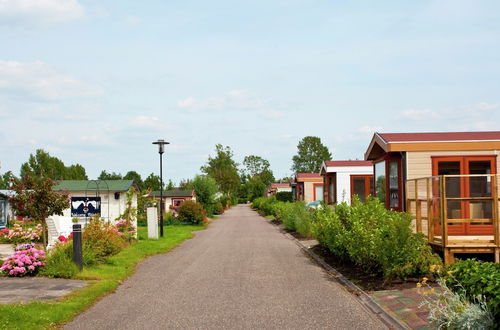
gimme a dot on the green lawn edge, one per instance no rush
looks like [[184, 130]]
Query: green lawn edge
[[103, 279]]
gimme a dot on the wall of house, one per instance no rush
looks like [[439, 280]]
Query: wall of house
[[419, 163], [344, 179], [309, 190]]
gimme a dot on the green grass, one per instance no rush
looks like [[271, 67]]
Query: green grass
[[102, 278], [270, 217]]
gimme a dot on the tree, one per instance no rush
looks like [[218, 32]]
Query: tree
[[36, 200], [109, 176], [6, 180], [170, 185], [223, 169], [184, 184], [310, 155], [42, 164], [133, 175], [152, 182], [205, 188], [256, 166]]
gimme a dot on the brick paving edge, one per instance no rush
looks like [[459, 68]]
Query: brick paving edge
[[363, 297]]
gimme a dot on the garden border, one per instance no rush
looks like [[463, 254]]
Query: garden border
[[365, 300]]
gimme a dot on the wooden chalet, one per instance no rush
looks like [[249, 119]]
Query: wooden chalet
[[448, 182], [343, 179], [308, 187]]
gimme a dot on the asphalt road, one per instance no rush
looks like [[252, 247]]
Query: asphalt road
[[240, 273]]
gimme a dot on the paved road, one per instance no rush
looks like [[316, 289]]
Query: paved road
[[241, 273]]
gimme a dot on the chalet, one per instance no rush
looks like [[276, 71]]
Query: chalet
[[277, 187], [172, 199], [448, 181], [308, 187], [343, 179]]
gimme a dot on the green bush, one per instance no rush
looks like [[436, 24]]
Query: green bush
[[284, 196], [294, 216], [474, 278], [375, 238], [191, 212], [218, 208], [59, 263], [102, 239]]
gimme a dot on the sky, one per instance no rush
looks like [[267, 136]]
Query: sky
[[96, 82]]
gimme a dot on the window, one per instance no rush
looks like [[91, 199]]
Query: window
[[361, 185], [318, 191], [380, 181]]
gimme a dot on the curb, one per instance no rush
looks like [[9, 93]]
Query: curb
[[365, 299]]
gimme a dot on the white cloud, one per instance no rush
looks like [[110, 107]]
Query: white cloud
[[40, 11], [39, 80], [468, 112], [370, 129], [236, 100], [149, 122]]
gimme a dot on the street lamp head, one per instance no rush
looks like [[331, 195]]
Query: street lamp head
[[161, 144]]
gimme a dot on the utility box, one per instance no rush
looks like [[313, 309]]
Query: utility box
[[152, 214]]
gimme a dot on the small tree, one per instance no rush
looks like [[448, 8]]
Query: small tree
[[205, 188], [310, 155], [35, 199], [223, 169]]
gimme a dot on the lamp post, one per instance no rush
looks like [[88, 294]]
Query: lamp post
[[161, 150]]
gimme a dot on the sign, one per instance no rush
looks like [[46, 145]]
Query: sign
[[85, 206]]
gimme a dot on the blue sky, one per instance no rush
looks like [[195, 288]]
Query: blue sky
[[95, 82]]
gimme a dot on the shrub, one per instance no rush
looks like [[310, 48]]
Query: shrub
[[294, 216], [25, 261], [377, 239], [218, 208], [284, 196], [453, 310], [103, 239], [473, 278], [126, 229], [60, 263], [191, 212]]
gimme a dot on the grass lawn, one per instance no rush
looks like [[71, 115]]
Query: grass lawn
[[103, 279]]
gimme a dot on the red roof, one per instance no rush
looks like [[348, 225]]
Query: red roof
[[308, 175], [440, 136], [332, 163], [280, 185]]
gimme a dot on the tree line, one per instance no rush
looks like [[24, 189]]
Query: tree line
[[246, 181]]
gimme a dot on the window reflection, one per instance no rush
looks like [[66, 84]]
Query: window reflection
[[380, 181]]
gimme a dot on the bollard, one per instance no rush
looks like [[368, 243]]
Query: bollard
[[77, 246]]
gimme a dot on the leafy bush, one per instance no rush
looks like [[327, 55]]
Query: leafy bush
[[205, 187], [473, 278], [218, 208], [294, 216], [103, 238], [284, 196], [191, 212], [377, 239], [60, 263], [25, 261]]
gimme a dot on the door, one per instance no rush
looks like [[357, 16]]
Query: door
[[467, 187], [3, 213]]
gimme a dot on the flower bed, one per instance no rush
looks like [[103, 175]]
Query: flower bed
[[26, 261], [19, 234]]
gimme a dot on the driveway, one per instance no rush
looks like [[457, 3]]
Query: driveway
[[240, 273]]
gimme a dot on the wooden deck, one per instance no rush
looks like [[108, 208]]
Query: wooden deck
[[456, 224]]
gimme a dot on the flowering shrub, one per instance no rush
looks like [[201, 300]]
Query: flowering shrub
[[19, 234], [25, 261], [103, 238], [126, 229], [64, 239]]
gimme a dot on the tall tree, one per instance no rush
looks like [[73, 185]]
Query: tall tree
[[109, 176], [256, 166], [133, 175], [310, 155], [205, 188], [152, 182], [42, 164], [184, 184], [170, 185], [223, 169], [36, 200]]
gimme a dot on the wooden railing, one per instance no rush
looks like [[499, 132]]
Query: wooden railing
[[456, 211]]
